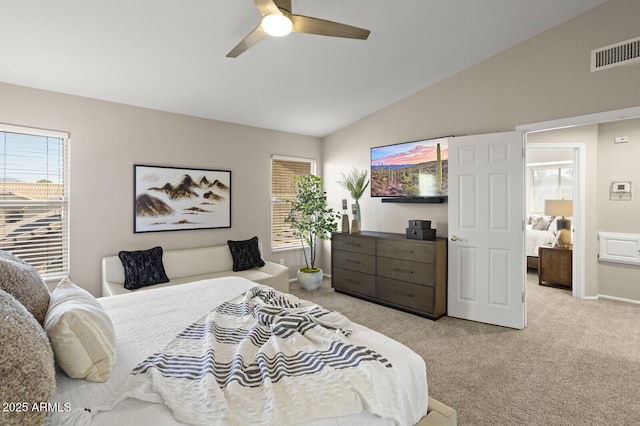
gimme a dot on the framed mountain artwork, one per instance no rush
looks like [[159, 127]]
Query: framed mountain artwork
[[176, 198]]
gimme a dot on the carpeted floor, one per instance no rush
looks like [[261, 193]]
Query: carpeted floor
[[576, 363]]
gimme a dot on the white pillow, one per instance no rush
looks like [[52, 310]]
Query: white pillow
[[81, 333]]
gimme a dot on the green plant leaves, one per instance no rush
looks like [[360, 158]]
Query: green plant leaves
[[355, 182], [310, 217]]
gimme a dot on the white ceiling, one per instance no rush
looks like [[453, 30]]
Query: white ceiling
[[170, 54]]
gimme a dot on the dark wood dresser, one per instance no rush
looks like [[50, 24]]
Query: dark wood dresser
[[392, 270]]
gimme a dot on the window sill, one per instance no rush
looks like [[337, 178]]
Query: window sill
[[285, 249]]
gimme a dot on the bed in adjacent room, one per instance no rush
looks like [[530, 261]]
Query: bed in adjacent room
[[190, 352], [541, 231]]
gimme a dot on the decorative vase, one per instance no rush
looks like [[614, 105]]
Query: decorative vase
[[310, 280], [345, 223], [357, 221]]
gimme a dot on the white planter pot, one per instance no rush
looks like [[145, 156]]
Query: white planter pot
[[310, 280]]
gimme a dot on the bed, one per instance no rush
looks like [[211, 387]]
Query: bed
[[541, 231], [145, 321]]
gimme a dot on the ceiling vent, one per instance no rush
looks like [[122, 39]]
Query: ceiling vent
[[625, 52]]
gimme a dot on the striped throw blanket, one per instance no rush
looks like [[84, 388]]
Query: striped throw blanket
[[264, 358]]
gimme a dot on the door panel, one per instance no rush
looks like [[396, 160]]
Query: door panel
[[498, 272], [468, 211], [467, 265], [486, 211]]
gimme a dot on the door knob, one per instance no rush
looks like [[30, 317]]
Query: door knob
[[454, 237]]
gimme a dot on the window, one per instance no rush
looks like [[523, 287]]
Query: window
[[283, 173], [550, 183], [34, 198]]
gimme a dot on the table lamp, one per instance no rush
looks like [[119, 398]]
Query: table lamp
[[561, 208]]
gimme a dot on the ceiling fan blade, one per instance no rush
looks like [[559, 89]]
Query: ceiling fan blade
[[266, 7], [251, 39], [309, 25], [283, 4]]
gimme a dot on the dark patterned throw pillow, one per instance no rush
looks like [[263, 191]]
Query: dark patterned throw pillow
[[246, 254], [143, 268]]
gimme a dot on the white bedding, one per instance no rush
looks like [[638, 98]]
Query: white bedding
[[537, 238], [146, 321]]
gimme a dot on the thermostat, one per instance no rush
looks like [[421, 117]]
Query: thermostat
[[620, 191], [621, 187]]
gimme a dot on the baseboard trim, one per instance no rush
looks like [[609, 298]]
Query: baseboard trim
[[618, 299]]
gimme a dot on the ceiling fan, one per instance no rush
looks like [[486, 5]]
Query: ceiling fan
[[277, 21]]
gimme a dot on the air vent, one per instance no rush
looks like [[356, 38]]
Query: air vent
[[625, 52]]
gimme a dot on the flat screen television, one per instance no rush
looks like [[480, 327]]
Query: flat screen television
[[414, 170]]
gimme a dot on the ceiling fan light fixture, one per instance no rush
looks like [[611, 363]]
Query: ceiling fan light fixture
[[277, 25]]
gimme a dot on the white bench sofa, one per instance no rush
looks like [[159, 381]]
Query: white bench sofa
[[189, 265]]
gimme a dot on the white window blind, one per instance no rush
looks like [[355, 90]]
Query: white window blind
[[34, 198], [550, 183], [284, 170]]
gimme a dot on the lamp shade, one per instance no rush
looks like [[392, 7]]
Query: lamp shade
[[558, 208]]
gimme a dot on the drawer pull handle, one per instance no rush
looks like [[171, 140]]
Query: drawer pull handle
[[403, 293], [349, 280], [404, 251], [352, 244], [357, 262], [404, 271]]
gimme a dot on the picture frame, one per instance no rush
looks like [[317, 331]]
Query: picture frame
[[179, 198]]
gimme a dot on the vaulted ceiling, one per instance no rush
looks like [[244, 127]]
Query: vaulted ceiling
[[170, 55]]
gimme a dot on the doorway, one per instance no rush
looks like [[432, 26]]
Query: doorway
[[588, 242], [554, 172]]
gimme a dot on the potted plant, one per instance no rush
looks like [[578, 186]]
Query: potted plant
[[355, 182], [311, 219]]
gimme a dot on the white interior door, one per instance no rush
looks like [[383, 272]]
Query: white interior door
[[486, 230]]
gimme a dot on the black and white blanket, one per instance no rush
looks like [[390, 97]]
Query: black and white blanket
[[266, 358]]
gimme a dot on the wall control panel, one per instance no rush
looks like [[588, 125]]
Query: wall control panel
[[620, 191]]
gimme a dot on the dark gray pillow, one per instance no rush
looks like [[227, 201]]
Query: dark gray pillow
[[541, 225], [143, 268], [27, 369], [23, 282], [245, 254]]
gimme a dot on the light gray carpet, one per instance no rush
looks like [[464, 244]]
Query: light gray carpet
[[576, 363]]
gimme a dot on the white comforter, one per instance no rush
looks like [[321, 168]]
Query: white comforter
[[537, 238], [145, 322]]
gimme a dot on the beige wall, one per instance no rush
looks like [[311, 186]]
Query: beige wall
[[545, 78], [108, 138], [619, 162]]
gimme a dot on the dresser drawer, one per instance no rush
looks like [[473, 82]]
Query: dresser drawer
[[407, 250], [354, 261], [404, 270], [409, 295], [350, 243], [356, 282]]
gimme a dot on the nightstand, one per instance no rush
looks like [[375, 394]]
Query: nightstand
[[555, 267]]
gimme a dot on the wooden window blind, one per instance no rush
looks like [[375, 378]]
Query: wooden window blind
[[284, 170], [34, 198]]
